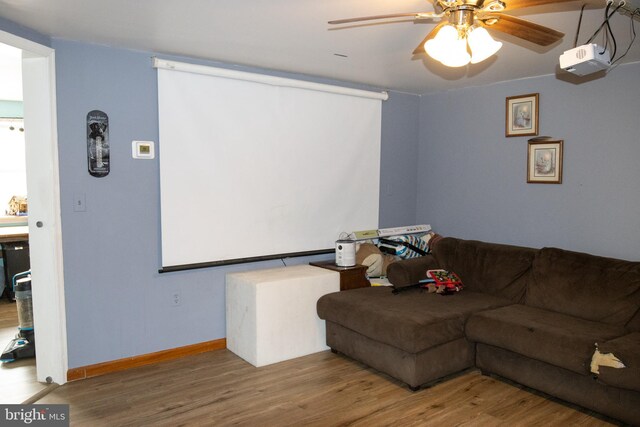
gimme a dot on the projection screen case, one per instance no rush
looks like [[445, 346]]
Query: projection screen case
[[255, 166]]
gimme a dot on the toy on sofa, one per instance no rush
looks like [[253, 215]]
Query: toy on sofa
[[607, 359], [370, 255], [378, 258], [444, 282]]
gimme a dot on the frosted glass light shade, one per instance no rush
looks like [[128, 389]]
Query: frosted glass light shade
[[437, 46], [448, 48], [482, 45], [456, 54], [434, 49]]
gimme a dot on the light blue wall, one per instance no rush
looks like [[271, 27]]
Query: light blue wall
[[472, 180], [117, 303], [399, 160]]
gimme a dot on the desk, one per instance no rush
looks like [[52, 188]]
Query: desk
[[14, 234]]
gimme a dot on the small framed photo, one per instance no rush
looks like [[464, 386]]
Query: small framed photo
[[544, 161], [522, 115]]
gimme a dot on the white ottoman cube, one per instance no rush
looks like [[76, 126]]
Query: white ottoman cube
[[271, 314]]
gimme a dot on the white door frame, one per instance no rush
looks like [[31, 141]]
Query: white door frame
[[43, 184]]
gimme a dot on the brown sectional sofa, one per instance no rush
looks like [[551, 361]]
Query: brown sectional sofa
[[529, 315]]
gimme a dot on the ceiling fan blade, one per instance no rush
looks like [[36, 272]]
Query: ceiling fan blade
[[414, 15], [420, 49], [521, 28], [520, 4]]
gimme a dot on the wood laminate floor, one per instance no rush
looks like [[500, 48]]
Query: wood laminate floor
[[17, 379], [324, 389], [8, 314]]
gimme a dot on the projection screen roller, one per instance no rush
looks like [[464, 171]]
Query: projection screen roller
[[251, 170]]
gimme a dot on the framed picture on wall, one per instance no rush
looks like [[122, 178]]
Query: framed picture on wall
[[544, 161], [522, 115]]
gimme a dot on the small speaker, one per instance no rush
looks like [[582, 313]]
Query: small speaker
[[345, 253]]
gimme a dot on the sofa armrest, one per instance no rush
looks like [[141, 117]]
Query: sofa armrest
[[627, 350], [409, 271]]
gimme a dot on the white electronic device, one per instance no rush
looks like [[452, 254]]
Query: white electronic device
[[387, 232], [411, 229], [345, 253], [143, 150], [586, 59]]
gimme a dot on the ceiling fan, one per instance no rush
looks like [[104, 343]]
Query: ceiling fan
[[464, 22]]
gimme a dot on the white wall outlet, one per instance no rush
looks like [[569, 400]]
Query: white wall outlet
[[176, 298]]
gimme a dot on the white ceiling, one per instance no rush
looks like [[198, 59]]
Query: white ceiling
[[293, 35]]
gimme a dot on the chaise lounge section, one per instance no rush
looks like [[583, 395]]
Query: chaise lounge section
[[530, 315]]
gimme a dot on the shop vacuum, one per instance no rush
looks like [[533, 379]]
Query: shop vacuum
[[23, 345]]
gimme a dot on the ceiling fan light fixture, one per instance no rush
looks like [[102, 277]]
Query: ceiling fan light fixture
[[482, 45], [433, 49], [448, 47], [456, 54], [437, 47], [495, 6]]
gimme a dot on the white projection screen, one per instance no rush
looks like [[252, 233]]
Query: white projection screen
[[252, 170]]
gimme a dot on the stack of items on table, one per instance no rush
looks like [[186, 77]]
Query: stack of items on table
[[377, 256]]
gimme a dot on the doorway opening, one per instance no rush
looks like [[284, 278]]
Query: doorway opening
[[44, 219], [18, 378]]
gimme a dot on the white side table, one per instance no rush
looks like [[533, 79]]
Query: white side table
[[271, 314]]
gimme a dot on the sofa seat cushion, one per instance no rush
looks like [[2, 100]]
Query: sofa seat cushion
[[413, 320], [587, 286], [627, 349], [558, 339]]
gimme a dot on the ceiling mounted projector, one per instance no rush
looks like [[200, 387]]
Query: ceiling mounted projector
[[586, 59]]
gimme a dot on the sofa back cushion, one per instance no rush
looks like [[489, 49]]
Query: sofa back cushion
[[586, 286], [495, 269], [634, 323]]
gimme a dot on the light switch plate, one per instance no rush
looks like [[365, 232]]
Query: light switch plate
[[143, 150]]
